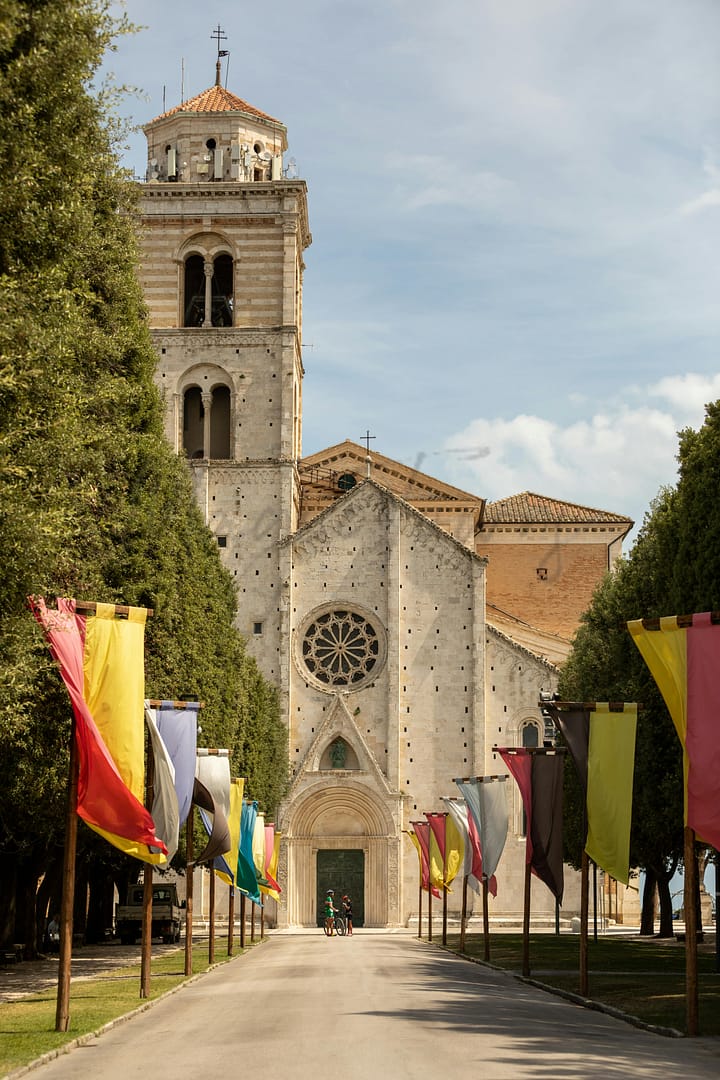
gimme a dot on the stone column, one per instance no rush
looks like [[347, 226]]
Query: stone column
[[207, 320], [207, 413]]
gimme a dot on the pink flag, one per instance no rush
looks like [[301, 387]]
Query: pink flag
[[519, 763]]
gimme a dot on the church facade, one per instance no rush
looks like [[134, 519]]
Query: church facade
[[410, 626]]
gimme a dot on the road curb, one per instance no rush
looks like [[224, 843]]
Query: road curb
[[568, 995]]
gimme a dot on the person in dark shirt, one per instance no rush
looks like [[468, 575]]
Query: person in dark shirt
[[347, 912]]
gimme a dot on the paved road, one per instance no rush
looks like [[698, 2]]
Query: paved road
[[377, 1004]]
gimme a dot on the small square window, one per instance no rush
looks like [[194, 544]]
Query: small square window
[[541, 573], [257, 628], [222, 541]]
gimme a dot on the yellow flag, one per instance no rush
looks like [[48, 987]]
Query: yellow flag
[[114, 676], [611, 761], [237, 788], [665, 654], [114, 689], [454, 849], [436, 862]]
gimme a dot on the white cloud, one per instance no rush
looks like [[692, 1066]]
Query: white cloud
[[702, 202], [687, 394], [616, 458]]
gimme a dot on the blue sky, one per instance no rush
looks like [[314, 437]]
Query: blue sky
[[515, 208]]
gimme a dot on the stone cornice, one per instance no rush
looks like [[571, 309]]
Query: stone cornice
[[275, 190]]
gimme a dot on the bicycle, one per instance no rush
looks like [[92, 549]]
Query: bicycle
[[338, 925]]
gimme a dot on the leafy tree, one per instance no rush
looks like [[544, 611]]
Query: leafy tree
[[673, 569], [93, 502]]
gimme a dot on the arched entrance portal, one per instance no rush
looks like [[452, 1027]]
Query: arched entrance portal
[[344, 873], [339, 826]]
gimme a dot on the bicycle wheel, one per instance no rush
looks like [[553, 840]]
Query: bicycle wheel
[[340, 926]]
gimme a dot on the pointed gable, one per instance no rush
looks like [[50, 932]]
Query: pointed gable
[[331, 473]]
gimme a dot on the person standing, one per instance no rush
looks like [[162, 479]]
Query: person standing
[[330, 912], [348, 913]]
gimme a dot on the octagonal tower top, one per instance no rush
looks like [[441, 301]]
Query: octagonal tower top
[[215, 136]]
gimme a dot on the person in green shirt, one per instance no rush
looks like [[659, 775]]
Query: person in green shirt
[[330, 911]]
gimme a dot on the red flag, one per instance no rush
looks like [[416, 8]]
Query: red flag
[[518, 762], [422, 832], [104, 801], [540, 778]]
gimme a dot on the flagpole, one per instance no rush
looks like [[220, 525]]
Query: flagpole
[[445, 892], [146, 934], [242, 920], [189, 883], [429, 908], [211, 928], [526, 922], [463, 916], [62, 1012], [420, 902], [584, 890], [691, 973], [231, 920], [486, 920], [252, 922]]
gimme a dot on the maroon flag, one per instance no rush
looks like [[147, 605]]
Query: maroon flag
[[539, 775], [574, 725]]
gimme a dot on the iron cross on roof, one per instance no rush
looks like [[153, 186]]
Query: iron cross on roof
[[366, 439], [219, 36]]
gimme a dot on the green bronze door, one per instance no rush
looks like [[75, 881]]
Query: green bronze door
[[344, 872]]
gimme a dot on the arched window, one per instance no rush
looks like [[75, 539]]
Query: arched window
[[530, 734], [193, 423], [530, 737], [206, 423], [222, 291], [220, 423], [194, 296], [215, 289]]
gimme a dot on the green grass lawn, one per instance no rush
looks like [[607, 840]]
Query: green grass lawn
[[642, 977], [27, 1026]]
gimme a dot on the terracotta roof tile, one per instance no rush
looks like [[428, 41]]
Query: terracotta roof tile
[[216, 100], [538, 509]]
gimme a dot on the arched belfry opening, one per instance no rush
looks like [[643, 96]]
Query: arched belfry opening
[[222, 291], [208, 285], [206, 422], [193, 421], [194, 291], [220, 423]]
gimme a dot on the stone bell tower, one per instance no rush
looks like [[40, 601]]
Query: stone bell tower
[[224, 226]]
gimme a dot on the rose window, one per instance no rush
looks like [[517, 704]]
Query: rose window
[[341, 648]]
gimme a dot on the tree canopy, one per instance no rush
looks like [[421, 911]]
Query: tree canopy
[[673, 569], [93, 502]]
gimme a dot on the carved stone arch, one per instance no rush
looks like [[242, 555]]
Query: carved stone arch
[[324, 810], [207, 244], [341, 816], [521, 720]]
